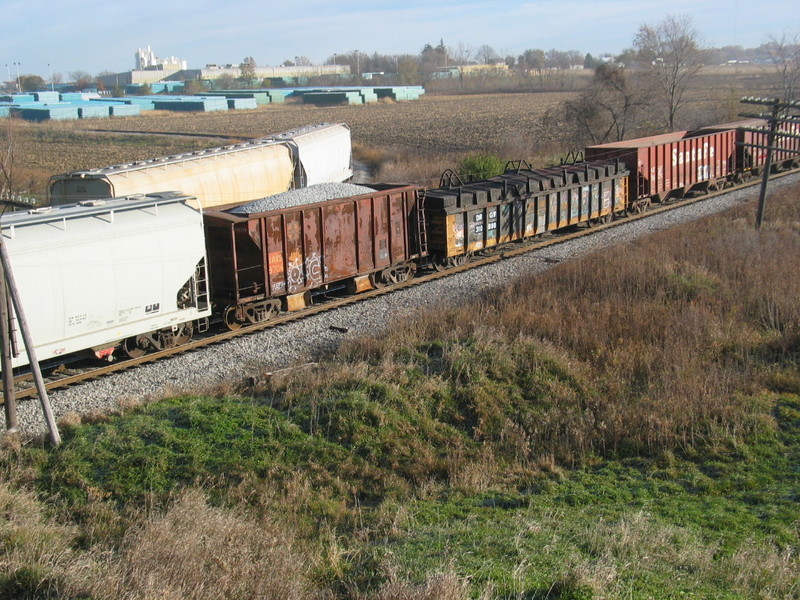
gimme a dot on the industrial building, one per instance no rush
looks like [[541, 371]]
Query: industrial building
[[150, 69]]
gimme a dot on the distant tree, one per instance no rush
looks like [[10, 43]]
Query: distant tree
[[432, 59], [574, 58], [608, 109], [145, 89], [461, 54], [32, 83], [247, 69], [627, 57], [225, 82], [81, 79], [590, 62], [195, 86], [486, 55], [785, 56], [556, 59], [302, 61], [8, 146], [563, 59], [408, 71], [532, 59], [670, 53]]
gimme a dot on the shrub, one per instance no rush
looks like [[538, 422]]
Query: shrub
[[480, 166]]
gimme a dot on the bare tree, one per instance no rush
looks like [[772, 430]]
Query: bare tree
[[532, 59], [8, 142], [81, 79], [670, 53], [32, 83], [608, 109], [785, 56], [247, 69], [195, 86], [225, 82], [486, 55]]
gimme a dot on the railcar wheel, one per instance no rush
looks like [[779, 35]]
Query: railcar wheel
[[440, 264], [184, 334], [273, 309], [457, 261], [602, 220], [377, 280], [640, 206], [135, 347], [231, 321], [400, 274], [392, 275]]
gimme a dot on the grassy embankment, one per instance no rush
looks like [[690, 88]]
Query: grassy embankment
[[627, 425]]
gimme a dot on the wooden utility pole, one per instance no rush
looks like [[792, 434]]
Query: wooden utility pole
[[779, 113], [9, 401], [762, 195]]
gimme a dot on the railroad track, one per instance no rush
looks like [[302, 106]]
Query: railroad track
[[62, 377]]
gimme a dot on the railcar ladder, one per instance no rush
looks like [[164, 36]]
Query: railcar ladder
[[201, 292], [422, 227]]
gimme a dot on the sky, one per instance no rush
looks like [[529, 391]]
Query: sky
[[38, 37]]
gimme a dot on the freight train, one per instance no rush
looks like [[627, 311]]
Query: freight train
[[143, 272], [225, 175]]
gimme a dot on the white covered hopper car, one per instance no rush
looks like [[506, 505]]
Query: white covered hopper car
[[225, 175], [100, 275]]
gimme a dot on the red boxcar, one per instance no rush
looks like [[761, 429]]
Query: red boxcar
[[262, 263], [672, 164]]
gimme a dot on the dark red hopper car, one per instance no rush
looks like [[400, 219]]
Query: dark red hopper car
[[751, 151], [672, 164], [260, 263]]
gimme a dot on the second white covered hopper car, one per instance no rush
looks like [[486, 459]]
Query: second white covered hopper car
[[225, 175]]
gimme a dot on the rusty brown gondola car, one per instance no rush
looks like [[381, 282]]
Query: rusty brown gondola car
[[263, 263]]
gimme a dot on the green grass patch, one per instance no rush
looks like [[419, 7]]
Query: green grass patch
[[722, 527]]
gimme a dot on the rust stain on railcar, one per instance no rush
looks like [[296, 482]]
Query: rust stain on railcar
[[291, 251]]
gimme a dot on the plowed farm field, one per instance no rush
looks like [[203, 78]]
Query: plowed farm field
[[433, 125]]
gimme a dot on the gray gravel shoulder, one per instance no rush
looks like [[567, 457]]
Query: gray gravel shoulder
[[213, 368]]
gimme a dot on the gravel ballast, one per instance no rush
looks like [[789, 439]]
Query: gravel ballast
[[248, 356], [302, 196]]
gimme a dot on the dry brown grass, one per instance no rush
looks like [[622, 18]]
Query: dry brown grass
[[442, 586], [36, 552], [205, 553], [651, 347]]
